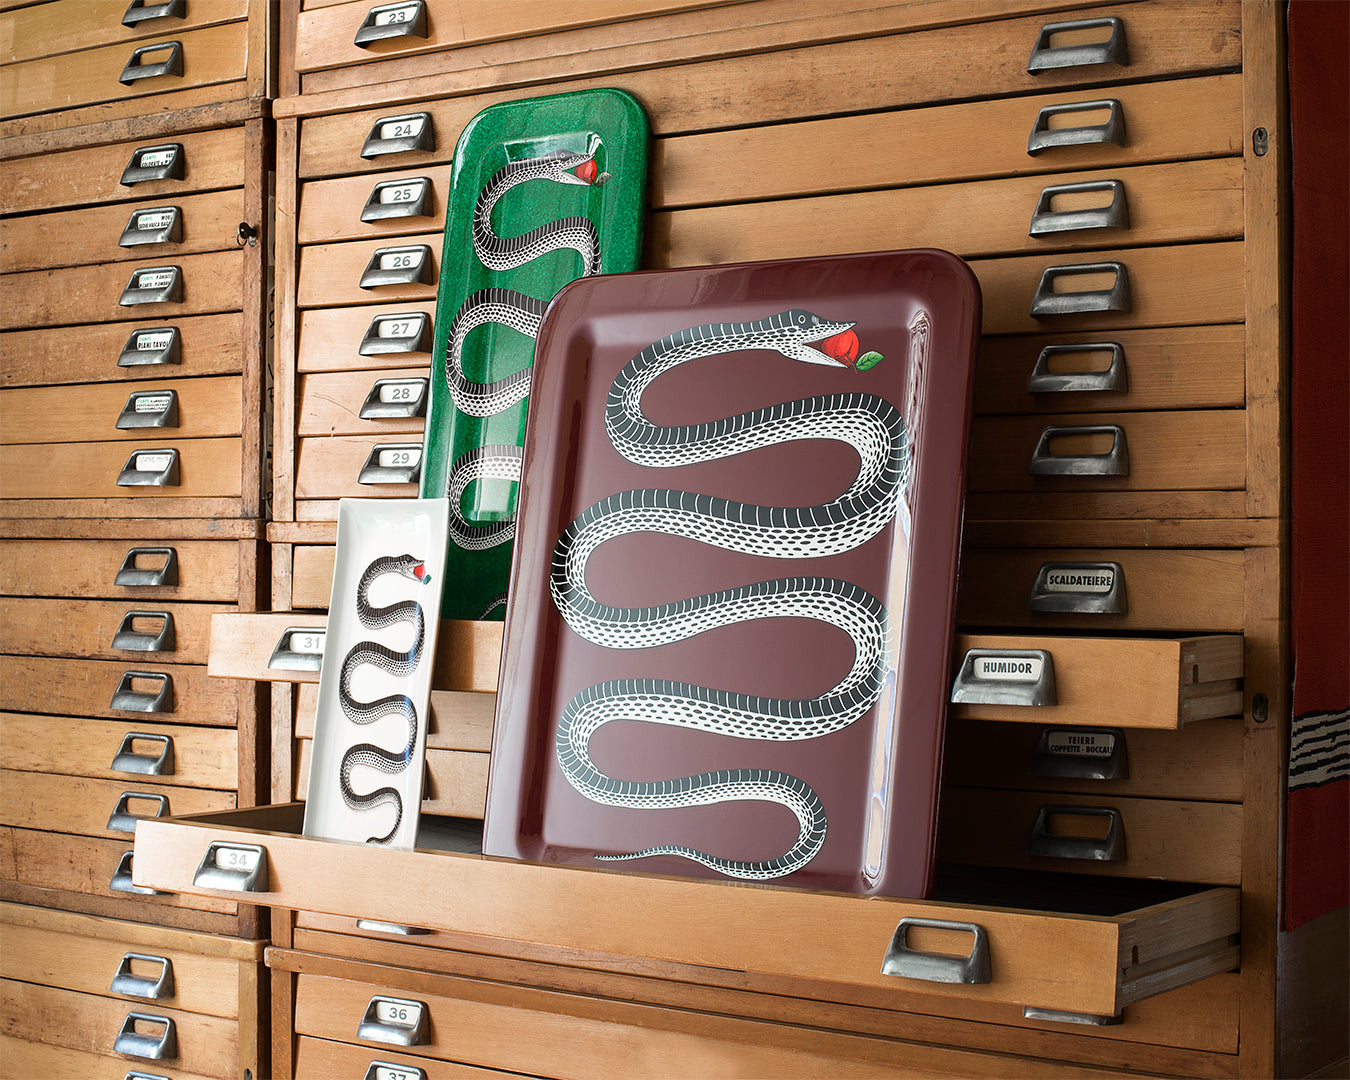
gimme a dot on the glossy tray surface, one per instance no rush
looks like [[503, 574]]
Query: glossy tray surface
[[543, 191], [726, 651]]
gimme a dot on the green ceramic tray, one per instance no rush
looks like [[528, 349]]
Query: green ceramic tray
[[544, 191]]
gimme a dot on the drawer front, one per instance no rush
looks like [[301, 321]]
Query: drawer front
[[150, 468], [321, 1057], [454, 785], [332, 273], [182, 225], [312, 580], [1167, 590], [100, 174], [379, 204], [140, 691], [1186, 367], [204, 1045], [108, 630], [98, 808], [131, 412], [193, 58], [1083, 834], [147, 290], [386, 401], [134, 570], [127, 751], [458, 719], [346, 339], [328, 469], [123, 352], [1203, 760], [50, 29]]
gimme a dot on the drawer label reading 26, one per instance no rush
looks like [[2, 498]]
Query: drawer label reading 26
[[1008, 669]]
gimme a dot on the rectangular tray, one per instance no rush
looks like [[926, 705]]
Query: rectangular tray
[[845, 512]]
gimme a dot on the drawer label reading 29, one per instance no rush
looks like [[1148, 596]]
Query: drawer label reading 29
[[1008, 669], [1067, 743], [407, 128], [399, 458]]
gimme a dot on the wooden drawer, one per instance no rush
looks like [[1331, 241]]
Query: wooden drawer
[[189, 569], [333, 209], [93, 175], [1184, 367], [116, 749], [1087, 834], [95, 234], [332, 273], [201, 408], [204, 1045], [713, 923], [331, 338], [1109, 682], [206, 468], [21, 1060], [460, 720], [331, 469], [1167, 590], [98, 808], [207, 345], [69, 951], [312, 583], [172, 692], [1203, 760], [49, 29], [91, 629], [206, 57], [332, 403], [212, 282], [320, 1057]]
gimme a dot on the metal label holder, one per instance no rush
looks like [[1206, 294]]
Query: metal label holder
[[408, 333], [1006, 677], [152, 345], [149, 409], [1083, 588]]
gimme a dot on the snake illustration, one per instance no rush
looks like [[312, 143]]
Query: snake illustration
[[394, 663], [876, 429], [516, 310]]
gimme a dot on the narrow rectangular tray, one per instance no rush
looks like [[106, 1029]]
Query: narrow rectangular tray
[[834, 479]]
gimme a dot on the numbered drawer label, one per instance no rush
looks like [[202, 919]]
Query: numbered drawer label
[[395, 398], [399, 199], [163, 162], [392, 463], [399, 134], [160, 345], [394, 1021], [398, 266], [300, 648], [404, 333], [159, 225], [384, 1070], [405, 19], [233, 867]]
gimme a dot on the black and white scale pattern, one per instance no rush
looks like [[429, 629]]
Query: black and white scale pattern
[[395, 663], [870, 424], [1319, 749]]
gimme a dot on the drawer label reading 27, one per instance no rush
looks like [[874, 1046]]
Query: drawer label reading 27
[[394, 327], [1069, 743], [1008, 669]]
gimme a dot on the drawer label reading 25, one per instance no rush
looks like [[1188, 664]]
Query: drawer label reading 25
[[1008, 669]]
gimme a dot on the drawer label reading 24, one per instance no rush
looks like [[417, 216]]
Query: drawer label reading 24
[[407, 128], [1008, 669]]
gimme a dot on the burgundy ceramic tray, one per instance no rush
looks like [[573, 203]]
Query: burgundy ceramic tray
[[726, 649]]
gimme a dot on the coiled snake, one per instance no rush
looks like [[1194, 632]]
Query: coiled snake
[[521, 313], [394, 663], [876, 429]]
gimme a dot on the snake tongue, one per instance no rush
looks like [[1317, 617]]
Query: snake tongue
[[586, 171]]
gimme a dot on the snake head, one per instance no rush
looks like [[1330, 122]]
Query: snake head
[[566, 167], [803, 328], [412, 567]]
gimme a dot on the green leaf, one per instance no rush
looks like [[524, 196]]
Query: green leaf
[[868, 360]]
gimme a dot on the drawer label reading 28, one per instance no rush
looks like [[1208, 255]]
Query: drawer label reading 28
[[1097, 580], [1008, 669], [402, 129], [1080, 743], [400, 391]]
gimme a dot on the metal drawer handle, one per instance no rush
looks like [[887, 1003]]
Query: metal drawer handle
[[1114, 462], [395, 1021], [1044, 381], [300, 648], [404, 333], [132, 575], [123, 820], [127, 982], [1043, 137], [127, 760], [1046, 57], [1047, 301], [149, 409], [392, 463], [155, 225], [131, 639], [1110, 848], [126, 699], [1083, 588], [170, 65], [1114, 215], [395, 398], [407, 265], [398, 199], [405, 19], [153, 285], [150, 468], [399, 134], [152, 345], [1006, 677], [384, 1070], [972, 970], [138, 11], [161, 1047], [163, 162], [233, 867], [382, 927], [121, 879], [1081, 753]]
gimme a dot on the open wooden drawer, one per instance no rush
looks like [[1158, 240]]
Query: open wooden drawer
[[1128, 940]]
